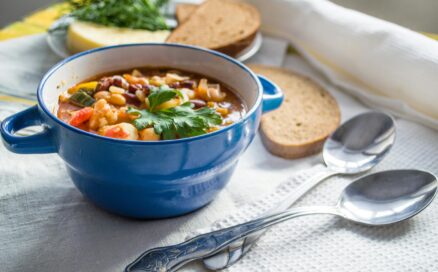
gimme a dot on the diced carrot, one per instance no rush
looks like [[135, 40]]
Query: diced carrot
[[116, 132], [123, 116], [81, 116], [222, 111]]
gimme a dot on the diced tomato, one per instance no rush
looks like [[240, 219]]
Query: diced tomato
[[116, 132], [81, 116]]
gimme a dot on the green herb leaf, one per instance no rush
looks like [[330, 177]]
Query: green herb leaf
[[178, 122], [136, 14], [160, 95], [160, 3]]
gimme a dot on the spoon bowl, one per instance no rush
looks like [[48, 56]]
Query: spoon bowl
[[387, 197], [360, 143]]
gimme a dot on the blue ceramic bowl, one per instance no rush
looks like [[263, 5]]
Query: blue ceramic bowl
[[135, 178]]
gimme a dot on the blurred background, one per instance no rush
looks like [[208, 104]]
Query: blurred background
[[419, 15]]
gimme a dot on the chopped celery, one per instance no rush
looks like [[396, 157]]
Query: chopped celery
[[82, 99], [89, 91]]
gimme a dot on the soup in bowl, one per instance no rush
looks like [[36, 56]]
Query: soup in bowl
[[150, 104], [168, 147]]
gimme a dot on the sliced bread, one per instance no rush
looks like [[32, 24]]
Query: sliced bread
[[308, 115], [224, 25], [184, 11]]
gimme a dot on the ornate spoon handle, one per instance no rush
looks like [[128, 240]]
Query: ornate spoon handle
[[238, 249], [171, 258]]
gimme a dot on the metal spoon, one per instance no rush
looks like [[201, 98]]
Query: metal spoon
[[355, 147], [377, 199]]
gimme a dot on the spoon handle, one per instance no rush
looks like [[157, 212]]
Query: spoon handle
[[228, 257], [170, 258], [301, 190]]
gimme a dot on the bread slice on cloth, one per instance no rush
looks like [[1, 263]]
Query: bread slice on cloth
[[224, 25], [308, 115]]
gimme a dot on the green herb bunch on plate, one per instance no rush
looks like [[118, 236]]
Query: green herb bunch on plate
[[135, 14]]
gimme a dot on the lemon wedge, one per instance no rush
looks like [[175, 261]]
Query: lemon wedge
[[82, 36]]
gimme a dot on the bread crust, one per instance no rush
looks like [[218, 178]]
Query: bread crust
[[235, 48], [280, 133], [292, 151]]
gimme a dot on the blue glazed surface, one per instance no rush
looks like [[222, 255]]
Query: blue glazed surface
[[142, 179], [273, 96], [36, 144]]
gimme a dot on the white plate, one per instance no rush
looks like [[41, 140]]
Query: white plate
[[57, 41]]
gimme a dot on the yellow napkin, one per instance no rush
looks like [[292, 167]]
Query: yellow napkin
[[37, 22]]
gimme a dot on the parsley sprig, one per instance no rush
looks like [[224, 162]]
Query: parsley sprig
[[136, 14], [178, 122], [159, 95]]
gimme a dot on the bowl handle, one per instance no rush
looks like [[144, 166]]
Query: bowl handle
[[272, 94], [34, 144]]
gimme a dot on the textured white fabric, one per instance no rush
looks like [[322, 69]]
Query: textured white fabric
[[383, 64], [23, 62]]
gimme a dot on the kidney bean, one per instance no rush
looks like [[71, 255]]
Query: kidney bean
[[132, 99], [146, 89], [134, 87], [198, 103], [190, 84], [104, 84], [120, 82], [175, 85]]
